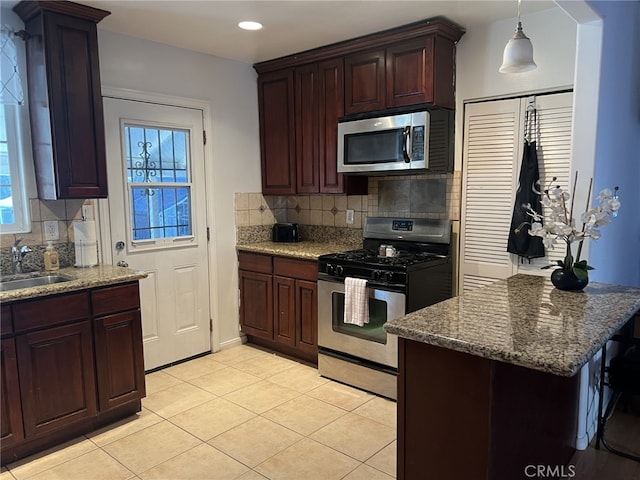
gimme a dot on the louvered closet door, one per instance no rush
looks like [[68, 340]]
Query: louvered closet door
[[492, 145], [555, 114], [494, 135]]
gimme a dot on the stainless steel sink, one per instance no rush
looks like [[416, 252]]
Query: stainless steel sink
[[13, 283]]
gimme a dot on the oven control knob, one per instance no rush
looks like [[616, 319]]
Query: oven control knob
[[330, 269], [339, 270], [388, 276], [377, 275]]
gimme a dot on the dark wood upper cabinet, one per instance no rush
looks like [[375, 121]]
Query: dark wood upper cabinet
[[302, 96], [277, 134], [65, 100], [407, 73], [365, 82], [319, 103], [306, 126], [330, 109], [299, 111], [421, 71]]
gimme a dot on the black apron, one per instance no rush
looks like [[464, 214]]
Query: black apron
[[521, 243]]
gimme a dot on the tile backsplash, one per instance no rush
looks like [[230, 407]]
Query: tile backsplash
[[254, 209], [420, 196], [62, 211]]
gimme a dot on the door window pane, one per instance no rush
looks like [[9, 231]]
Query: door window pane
[[156, 155], [157, 161]]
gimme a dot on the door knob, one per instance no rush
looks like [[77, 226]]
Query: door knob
[[120, 245], [122, 263]]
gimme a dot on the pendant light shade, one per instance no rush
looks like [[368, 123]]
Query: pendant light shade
[[518, 54]]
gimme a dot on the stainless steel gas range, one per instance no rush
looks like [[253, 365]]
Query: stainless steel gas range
[[407, 266]]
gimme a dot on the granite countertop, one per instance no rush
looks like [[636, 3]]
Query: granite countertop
[[305, 249], [525, 321], [81, 278]]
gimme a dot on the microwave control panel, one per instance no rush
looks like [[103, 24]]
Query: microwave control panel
[[417, 144]]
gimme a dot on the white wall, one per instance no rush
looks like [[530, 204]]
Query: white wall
[[616, 255], [233, 142], [479, 56]]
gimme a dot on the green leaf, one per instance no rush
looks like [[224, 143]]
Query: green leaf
[[580, 271], [583, 265]]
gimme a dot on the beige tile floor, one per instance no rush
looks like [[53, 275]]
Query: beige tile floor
[[241, 414]]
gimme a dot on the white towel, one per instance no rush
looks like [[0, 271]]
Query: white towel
[[356, 301]]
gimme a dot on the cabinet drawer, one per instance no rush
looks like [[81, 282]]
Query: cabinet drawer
[[6, 324], [50, 311], [255, 262], [115, 299], [290, 267]]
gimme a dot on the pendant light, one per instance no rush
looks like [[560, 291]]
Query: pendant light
[[518, 54]]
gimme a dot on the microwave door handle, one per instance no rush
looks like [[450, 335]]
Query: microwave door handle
[[406, 138]]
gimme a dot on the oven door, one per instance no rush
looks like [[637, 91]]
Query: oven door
[[369, 342]]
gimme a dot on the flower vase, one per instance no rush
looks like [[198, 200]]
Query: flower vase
[[565, 279]]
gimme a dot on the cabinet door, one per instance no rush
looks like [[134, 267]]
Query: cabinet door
[[57, 380], [256, 304], [277, 143], [330, 108], [65, 102], [284, 312], [410, 73], [307, 316], [119, 359], [11, 420], [306, 122], [365, 82]]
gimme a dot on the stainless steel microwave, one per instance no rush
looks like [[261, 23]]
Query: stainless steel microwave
[[380, 145]]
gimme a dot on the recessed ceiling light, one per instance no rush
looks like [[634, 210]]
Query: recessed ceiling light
[[248, 25]]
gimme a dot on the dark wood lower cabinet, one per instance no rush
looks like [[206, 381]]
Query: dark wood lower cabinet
[[278, 303], [120, 362], [284, 315], [256, 304], [71, 363], [307, 316], [57, 380], [12, 430], [464, 417]]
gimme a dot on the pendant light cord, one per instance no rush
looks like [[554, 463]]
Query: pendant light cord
[[519, 10]]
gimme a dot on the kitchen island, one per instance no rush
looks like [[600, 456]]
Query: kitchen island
[[487, 382]]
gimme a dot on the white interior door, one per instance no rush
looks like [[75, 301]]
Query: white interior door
[[157, 217]]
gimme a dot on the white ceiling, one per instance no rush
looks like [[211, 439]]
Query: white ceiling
[[289, 26]]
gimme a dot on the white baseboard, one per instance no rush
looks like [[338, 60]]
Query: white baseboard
[[234, 342]]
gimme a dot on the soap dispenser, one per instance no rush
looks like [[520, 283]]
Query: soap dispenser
[[51, 258]]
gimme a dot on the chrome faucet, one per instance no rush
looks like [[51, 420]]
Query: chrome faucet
[[17, 254]]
